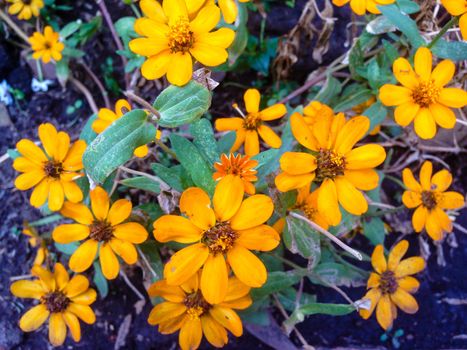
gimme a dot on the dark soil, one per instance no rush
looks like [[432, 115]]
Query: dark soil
[[439, 324]]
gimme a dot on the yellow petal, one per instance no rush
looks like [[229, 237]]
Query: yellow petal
[[196, 204], [72, 191], [180, 70], [68, 233], [190, 334], [77, 285], [373, 280], [351, 199], [99, 203], [176, 228], [463, 26], [221, 38], [170, 293], [63, 145], [61, 276], [393, 95], [125, 250], [25, 165], [302, 132], [246, 266], [174, 9], [34, 318], [443, 73], [215, 334], [383, 312], [396, 254], [153, 10], [352, 131], [49, 139], [405, 113], [424, 124], [454, 7], [57, 329], [298, 163], [252, 99], [27, 289], [83, 257], [423, 63], [56, 195], [425, 175], [73, 325], [209, 55], [131, 232], [453, 97], [86, 298], [73, 160], [40, 193], [404, 301], [451, 200], [228, 197], [172, 325], [206, 19], [238, 304], [410, 266], [46, 277], [31, 151], [411, 199], [442, 180], [409, 180], [109, 262], [119, 211], [269, 136], [364, 157], [285, 182], [378, 260], [444, 116], [185, 263], [262, 237], [214, 279], [254, 211], [409, 284], [404, 73], [240, 136], [236, 289], [251, 143], [227, 124], [156, 66], [328, 202], [227, 318], [273, 112], [229, 10], [83, 312], [28, 180], [419, 218], [437, 222], [78, 212], [373, 295], [148, 46], [363, 179]]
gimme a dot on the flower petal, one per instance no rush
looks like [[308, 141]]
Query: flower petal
[[228, 197], [251, 143], [423, 62], [109, 262], [363, 179], [419, 218], [394, 95], [373, 295], [328, 202], [424, 124], [77, 285], [411, 199], [383, 312], [209, 55], [227, 318], [444, 116], [68, 233], [352, 131], [40, 193], [453, 97], [425, 175], [206, 20], [262, 237], [409, 180], [56, 195], [443, 73], [410, 266], [185, 263], [364, 157], [196, 204], [175, 228], [170, 293], [302, 132], [351, 199], [273, 112], [215, 334], [409, 284], [34, 318], [298, 163], [78, 212], [228, 124], [156, 66], [27, 289], [396, 254], [286, 182], [252, 99], [191, 334], [119, 211], [125, 250], [57, 329], [254, 211], [246, 266], [405, 113], [404, 73], [269, 136], [404, 301], [99, 203], [84, 256], [451, 200], [214, 279], [378, 260], [73, 325], [222, 38], [31, 151], [48, 136], [84, 312], [180, 69], [30, 179]]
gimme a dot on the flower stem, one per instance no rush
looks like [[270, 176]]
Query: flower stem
[[39, 70], [13, 26], [132, 96], [443, 31], [329, 235], [83, 89]]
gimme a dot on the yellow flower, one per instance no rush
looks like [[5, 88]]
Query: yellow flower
[[35, 241], [63, 301], [106, 116], [232, 228], [171, 39], [308, 203], [104, 231], [229, 8], [186, 309], [431, 199], [46, 46], [361, 6], [238, 165], [251, 125], [422, 98], [53, 172], [341, 170], [314, 110], [391, 286], [458, 8], [25, 9]]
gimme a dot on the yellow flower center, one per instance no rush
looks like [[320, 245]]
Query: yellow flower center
[[196, 305], [53, 169], [27, 2], [55, 301], [426, 94], [101, 231], [219, 238], [309, 212], [429, 199], [252, 121], [180, 36], [329, 165], [388, 283]]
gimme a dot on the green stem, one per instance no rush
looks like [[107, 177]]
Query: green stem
[[135, 10], [443, 31], [39, 70], [395, 180]]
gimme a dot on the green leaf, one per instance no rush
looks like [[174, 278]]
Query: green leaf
[[339, 275], [359, 96], [152, 210], [409, 7], [142, 183], [182, 105], [100, 281], [204, 139], [193, 162], [267, 162], [241, 35], [277, 281], [46, 221], [116, 144], [69, 29], [453, 50], [87, 134], [374, 230], [63, 71], [376, 113], [226, 142], [390, 51], [125, 28], [68, 248], [169, 175], [152, 256], [404, 23], [301, 239], [329, 91], [72, 53]]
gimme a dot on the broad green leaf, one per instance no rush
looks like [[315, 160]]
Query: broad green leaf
[[374, 230], [353, 100], [152, 210], [329, 91], [409, 7], [226, 142], [288, 299], [46, 221], [116, 144], [87, 134], [241, 35], [339, 275], [142, 183], [63, 71], [453, 50], [100, 281], [301, 239], [193, 162], [68, 248], [404, 23], [204, 139], [152, 260], [267, 162], [169, 175], [182, 105], [376, 113], [69, 29], [277, 281], [390, 51]]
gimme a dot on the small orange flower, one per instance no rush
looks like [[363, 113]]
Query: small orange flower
[[35, 241], [308, 203], [46, 46], [238, 165], [252, 124]]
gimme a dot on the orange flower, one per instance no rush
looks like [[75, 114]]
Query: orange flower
[[35, 241], [238, 165], [308, 203], [314, 110], [251, 125]]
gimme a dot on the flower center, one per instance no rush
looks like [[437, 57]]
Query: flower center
[[388, 283], [429, 199], [219, 238], [101, 231], [53, 169], [309, 212], [329, 165], [27, 2], [180, 36], [426, 94], [196, 305], [55, 301], [252, 121]]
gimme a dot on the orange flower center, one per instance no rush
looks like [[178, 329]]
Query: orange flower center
[[429, 199], [196, 305], [53, 169], [309, 212], [55, 301], [252, 121], [426, 94], [329, 165], [101, 231], [219, 238], [388, 283], [180, 36]]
